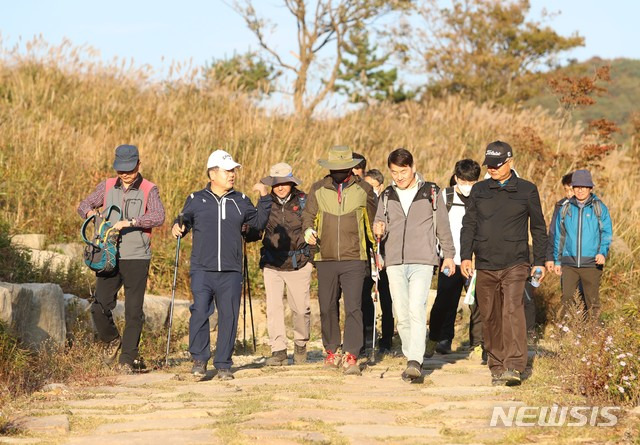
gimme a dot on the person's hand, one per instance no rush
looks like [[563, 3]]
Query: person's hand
[[466, 268], [91, 213], [310, 237], [122, 224], [549, 266], [177, 231], [600, 259], [261, 188], [448, 263], [557, 270], [542, 269], [379, 228]]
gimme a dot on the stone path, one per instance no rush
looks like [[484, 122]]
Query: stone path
[[287, 405]]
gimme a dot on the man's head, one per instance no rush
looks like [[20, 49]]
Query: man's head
[[281, 179], [582, 183], [466, 173], [566, 185], [221, 170], [375, 178], [127, 163], [403, 172], [361, 166], [340, 163], [498, 158]]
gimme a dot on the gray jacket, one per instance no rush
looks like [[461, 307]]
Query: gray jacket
[[410, 239]]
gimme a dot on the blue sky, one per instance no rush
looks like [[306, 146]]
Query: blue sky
[[156, 32]]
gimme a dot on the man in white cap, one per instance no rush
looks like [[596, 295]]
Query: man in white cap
[[141, 210], [216, 215], [338, 218], [285, 261]]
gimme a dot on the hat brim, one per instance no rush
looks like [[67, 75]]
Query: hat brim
[[124, 166], [581, 184], [272, 181], [494, 162], [338, 165]]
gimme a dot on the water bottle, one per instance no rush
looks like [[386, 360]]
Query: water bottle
[[535, 278]]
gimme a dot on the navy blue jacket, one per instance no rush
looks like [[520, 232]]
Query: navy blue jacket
[[217, 222]]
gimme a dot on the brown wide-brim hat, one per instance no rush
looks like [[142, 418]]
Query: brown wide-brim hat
[[340, 158], [281, 173]]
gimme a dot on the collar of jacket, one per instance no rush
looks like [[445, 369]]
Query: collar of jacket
[[588, 201], [134, 186], [208, 188], [419, 182], [327, 182], [512, 185]]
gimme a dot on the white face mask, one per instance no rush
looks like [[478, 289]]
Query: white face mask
[[464, 189]]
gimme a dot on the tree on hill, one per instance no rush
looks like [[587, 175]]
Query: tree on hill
[[362, 77], [484, 50], [321, 25], [246, 72]]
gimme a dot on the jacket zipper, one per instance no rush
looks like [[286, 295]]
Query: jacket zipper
[[220, 202], [579, 235]]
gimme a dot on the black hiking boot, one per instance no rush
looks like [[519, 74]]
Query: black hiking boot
[[444, 347], [299, 355], [225, 374], [430, 348], [278, 358], [199, 368], [512, 377], [110, 351]]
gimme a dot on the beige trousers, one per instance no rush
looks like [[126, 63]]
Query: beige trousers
[[297, 283]]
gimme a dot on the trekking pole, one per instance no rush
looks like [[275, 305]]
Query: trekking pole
[[246, 274], [173, 289], [375, 296]]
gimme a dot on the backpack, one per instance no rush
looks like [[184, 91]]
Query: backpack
[[101, 254], [564, 211]]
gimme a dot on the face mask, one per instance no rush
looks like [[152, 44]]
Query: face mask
[[339, 175], [465, 190]]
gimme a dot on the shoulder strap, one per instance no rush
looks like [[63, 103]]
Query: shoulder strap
[[109, 184], [449, 197], [146, 187], [564, 210], [597, 209]]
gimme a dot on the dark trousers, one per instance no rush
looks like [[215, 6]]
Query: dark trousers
[[211, 290], [590, 279], [348, 276], [132, 274], [500, 295], [385, 307], [445, 307]]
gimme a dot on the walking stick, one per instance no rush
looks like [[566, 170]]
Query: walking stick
[[173, 289], [248, 284], [375, 296]]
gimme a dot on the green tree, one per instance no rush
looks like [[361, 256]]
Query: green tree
[[362, 77], [246, 72], [485, 50]]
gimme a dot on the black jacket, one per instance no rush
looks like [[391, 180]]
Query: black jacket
[[495, 224], [216, 222]]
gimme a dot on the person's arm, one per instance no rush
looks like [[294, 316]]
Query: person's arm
[[538, 228], [443, 228], [469, 227], [94, 201], [154, 214], [607, 231], [372, 207], [552, 233], [188, 215]]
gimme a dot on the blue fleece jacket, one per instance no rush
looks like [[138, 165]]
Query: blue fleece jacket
[[217, 222], [583, 240]]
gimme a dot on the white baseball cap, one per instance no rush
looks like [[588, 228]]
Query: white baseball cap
[[222, 159]]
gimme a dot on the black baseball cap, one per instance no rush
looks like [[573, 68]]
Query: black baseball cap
[[127, 158], [497, 153]]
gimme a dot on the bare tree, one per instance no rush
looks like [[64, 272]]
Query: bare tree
[[321, 24]]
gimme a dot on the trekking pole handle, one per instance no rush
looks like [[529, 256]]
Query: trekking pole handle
[[180, 221]]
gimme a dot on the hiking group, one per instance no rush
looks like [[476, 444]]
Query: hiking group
[[358, 235]]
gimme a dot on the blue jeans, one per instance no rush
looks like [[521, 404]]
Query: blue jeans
[[409, 285]]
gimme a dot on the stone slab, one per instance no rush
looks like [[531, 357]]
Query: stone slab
[[45, 425]]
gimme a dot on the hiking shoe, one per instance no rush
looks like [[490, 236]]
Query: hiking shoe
[[199, 368], [413, 371], [332, 360], [110, 351], [430, 348], [512, 377], [350, 365], [497, 379], [444, 347], [123, 368], [225, 374], [278, 358], [299, 355]]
